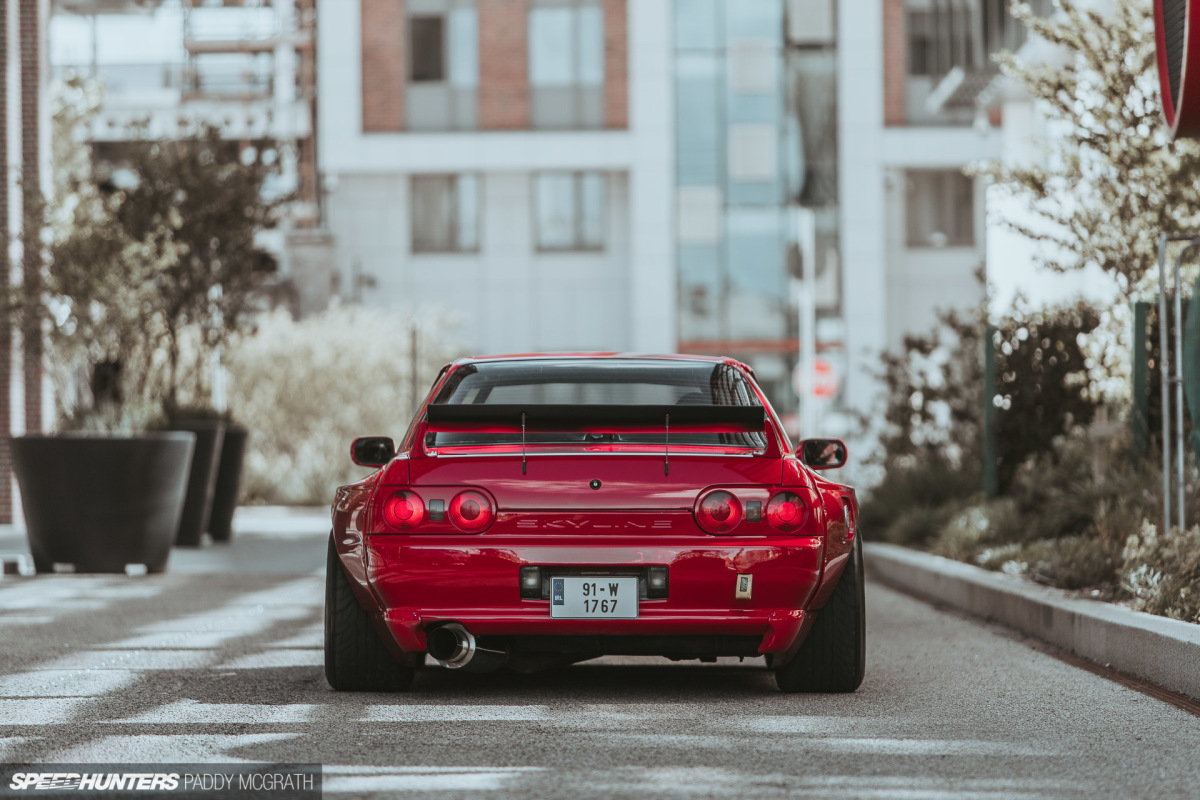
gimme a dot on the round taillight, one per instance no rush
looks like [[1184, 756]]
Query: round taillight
[[786, 511], [718, 512], [403, 509], [471, 511]]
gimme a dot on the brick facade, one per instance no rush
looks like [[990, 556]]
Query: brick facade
[[503, 93], [616, 64], [895, 62], [6, 498], [31, 85], [503, 64], [384, 65]]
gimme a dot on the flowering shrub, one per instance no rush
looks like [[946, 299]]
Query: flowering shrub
[[1110, 182], [1161, 574], [307, 388]]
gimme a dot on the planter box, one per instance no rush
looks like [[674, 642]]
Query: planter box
[[229, 482], [202, 481], [101, 502]]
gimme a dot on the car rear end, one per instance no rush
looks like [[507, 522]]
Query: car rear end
[[573, 507]]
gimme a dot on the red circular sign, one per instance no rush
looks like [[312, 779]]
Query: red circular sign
[[825, 379], [825, 383], [1177, 34]]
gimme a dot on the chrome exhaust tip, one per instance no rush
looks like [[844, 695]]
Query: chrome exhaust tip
[[453, 646]]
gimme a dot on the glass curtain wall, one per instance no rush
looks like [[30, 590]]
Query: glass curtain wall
[[731, 183], [756, 142]]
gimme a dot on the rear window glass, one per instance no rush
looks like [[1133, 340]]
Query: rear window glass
[[625, 382]]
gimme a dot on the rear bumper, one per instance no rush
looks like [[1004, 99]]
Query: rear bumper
[[422, 581]]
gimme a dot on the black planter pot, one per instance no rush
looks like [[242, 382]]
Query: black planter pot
[[202, 480], [229, 480], [101, 502]]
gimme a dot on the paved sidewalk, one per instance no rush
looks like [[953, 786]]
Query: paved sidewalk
[[266, 539]]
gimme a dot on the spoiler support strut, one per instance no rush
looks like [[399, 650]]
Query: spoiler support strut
[[522, 442], [667, 446]]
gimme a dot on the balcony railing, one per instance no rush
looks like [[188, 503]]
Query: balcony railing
[[213, 25], [217, 77], [122, 78]]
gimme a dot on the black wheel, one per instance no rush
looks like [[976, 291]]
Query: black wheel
[[833, 657], [356, 660]]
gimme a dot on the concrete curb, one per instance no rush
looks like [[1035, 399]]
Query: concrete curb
[[1163, 651]]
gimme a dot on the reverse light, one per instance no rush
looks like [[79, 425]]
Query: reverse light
[[786, 511], [656, 582], [531, 582], [471, 511], [718, 512], [403, 509]]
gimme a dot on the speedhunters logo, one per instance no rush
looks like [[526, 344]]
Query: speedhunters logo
[[209, 781], [101, 781]]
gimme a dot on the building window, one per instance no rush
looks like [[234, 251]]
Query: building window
[[445, 213], [566, 64], [922, 57], [570, 210], [427, 43], [941, 209], [443, 67]]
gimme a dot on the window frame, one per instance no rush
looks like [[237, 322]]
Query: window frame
[[579, 238], [454, 222], [444, 68], [945, 212], [573, 100]]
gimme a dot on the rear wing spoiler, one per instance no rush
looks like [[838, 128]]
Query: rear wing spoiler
[[595, 418], [584, 418]]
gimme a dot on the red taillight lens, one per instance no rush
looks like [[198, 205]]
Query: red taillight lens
[[403, 509], [718, 512], [786, 511], [471, 511]]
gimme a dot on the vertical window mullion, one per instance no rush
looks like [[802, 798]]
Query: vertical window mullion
[[576, 66], [577, 187], [454, 238]]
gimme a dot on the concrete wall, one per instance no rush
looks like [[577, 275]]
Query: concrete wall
[[508, 297]]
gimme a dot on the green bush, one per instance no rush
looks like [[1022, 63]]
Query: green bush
[[1073, 562], [916, 525], [974, 529], [916, 497]]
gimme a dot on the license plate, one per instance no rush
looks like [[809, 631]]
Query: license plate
[[594, 598]]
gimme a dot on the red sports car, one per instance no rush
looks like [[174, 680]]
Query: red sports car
[[544, 510]]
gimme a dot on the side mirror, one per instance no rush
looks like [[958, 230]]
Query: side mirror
[[372, 451], [822, 453]]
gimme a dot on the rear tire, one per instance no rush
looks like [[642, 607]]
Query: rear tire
[[833, 657], [356, 660]]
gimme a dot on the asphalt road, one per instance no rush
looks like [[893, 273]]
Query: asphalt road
[[219, 660]]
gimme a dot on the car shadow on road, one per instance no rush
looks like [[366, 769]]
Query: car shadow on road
[[598, 679]]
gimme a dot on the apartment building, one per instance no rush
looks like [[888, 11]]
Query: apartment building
[[584, 174], [168, 67], [917, 103], [507, 160]]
